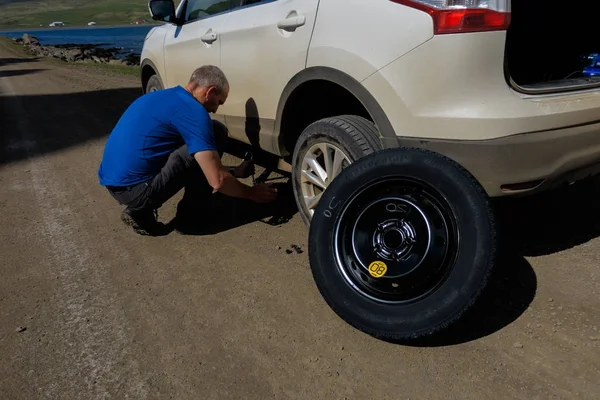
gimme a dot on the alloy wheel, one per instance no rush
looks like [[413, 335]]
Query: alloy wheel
[[322, 163]]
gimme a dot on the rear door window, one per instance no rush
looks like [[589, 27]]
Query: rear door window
[[201, 9], [244, 3]]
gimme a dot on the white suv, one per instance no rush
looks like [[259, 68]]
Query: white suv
[[321, 84]]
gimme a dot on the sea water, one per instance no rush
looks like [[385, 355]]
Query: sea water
[[129, 39]]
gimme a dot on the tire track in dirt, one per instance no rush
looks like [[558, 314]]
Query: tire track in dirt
[[94, 340]]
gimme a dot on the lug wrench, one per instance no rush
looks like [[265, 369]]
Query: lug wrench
[[250, 157]]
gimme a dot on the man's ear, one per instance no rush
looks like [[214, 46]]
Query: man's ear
[[213, 90]]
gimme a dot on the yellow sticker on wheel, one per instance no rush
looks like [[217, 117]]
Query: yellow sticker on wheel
[[377, 269]]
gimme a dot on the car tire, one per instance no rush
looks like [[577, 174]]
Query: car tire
[[354, 136], [402, 243], [154, 84]]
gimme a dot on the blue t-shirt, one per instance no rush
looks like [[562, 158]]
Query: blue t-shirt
[[153, 126]]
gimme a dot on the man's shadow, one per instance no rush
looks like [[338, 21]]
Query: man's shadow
[[252, 126], [226, 213], [232, 212]]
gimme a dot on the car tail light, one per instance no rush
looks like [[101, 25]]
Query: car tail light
[[461, 16]]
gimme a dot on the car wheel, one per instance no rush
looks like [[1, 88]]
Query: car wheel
[[402, 243], [154, 84], [323, 150]]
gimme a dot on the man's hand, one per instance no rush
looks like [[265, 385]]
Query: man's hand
[[263, 193], [245, 169], [224, 182]]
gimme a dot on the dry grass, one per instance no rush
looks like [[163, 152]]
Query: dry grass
[[19, 51]]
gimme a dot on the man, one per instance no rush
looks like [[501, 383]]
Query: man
[[166, 141]]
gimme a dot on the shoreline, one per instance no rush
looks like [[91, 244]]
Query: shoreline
[[72, 27], [76, 52]]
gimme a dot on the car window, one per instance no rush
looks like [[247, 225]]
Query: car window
[[242, 3], [199, 9]]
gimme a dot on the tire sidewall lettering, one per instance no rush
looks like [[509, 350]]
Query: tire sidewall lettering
[[331, 207]]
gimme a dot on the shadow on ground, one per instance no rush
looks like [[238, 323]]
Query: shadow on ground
[[542, 224], [509, 293], [551, 222], [11, 61], [19, 72], [55, 122], [229, 213]]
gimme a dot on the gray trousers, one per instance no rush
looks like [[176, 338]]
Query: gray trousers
[[181, 171]]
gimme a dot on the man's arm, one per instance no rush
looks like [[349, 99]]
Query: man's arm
[[220, 179]]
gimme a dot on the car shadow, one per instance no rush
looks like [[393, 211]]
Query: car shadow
[[508, 294], [56, 122], [542, 224], [18, 72], [16, 60], [554, 221]]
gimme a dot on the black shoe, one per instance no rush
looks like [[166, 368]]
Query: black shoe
[[143, 222]]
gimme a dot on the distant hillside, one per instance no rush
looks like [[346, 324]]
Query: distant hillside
[[17, 14], [3, 2]]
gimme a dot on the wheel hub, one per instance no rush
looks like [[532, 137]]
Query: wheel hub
[[394, 239], [387, 230]]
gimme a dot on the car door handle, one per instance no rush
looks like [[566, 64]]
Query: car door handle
[[292, 22], [209, 37]]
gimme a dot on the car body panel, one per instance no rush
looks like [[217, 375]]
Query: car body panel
[[259, 59], [359, 37], [467, 97], [184, 43], [153, 50]]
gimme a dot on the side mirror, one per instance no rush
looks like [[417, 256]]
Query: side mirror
[[162, 10]]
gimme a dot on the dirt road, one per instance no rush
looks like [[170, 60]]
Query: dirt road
[[109, 314]]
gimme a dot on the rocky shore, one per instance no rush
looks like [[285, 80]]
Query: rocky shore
[[90, 53]]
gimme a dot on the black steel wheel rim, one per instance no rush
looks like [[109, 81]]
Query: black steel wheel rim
[[396, 240]]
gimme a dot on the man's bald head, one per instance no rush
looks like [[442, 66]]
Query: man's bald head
[[209, 85]]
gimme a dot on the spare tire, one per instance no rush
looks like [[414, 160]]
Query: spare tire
[[402, 243]]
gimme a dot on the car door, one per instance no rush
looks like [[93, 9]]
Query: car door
[[264, 43], [195, 41]]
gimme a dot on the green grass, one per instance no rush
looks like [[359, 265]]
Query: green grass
[[33, 13]]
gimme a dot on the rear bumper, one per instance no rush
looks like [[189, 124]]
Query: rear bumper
[[451, 95], [524, 163]]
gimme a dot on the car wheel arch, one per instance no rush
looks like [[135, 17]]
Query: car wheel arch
[[345, 81], [147, 70]]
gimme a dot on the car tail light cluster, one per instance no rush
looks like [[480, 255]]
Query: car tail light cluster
[[461, 16]]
